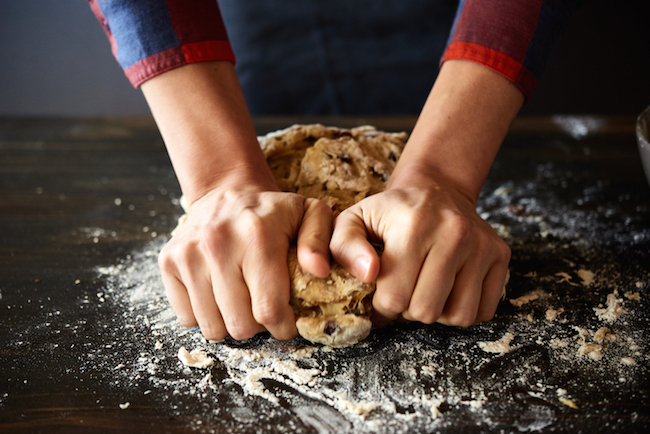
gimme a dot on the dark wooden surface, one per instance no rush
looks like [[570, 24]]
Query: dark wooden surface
[[59, 179]]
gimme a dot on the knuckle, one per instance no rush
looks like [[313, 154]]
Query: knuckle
[[424, 313], [240, 333], [317, 236], [175, 257], [268, 313], [213, 335], [256, 227], [212, 331], [211, 236], [166, 261], [460, 228], [505, 252], [485, 316], [392, 303], [242, 330], [186, 320], [319, 206], [461, 318]]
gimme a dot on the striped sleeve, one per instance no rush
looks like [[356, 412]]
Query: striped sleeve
[[513, 37], [149, 37]]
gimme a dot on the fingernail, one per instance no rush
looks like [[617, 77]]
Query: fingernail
[[361, 266]]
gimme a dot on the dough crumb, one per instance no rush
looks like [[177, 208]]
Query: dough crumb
[[158, 345], [593, 351], [586, 276], [613, 310], [501, 346], [125, 405], [565, 277], [197, 358], [526, 298], [601, 334], [552, 314], [568, 402], [632, 295], [629, 361]]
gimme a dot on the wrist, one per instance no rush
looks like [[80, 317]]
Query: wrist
[[461, 127], [203, 119], [236, 179], [421, 176]]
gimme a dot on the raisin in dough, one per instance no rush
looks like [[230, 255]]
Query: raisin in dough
[[339, 167]]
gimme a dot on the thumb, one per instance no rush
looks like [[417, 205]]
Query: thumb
[[350, 246], [314, 236]]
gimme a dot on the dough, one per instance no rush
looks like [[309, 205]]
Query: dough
[[339, 167], [334, 310]]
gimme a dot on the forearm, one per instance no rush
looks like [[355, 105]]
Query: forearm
[[202, 116], [460, 128]]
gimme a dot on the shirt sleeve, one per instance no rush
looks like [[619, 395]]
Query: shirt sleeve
[[149, 37], [513, 37]]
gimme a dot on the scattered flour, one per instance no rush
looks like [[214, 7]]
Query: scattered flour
[[409, 378], [552, 314]]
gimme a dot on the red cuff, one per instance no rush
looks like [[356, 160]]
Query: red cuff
[[164, 61], [495, 60]]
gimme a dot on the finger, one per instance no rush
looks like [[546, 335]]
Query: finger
[[434, 283], [174, 288], [227, 287], [401, 264], [462, 304], [350, 246], [267, 277], [232, 297], [179, 300], [493, 289], [204, 306], [314, 238]]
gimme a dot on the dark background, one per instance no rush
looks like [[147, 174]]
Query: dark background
[[56, 61]]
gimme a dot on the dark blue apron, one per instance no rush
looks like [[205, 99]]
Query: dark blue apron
[[337, 57]]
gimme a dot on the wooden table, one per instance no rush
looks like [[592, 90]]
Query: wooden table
[[76, 194]]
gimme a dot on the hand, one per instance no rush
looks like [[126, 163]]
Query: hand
[[226, 267], [441, 261]]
